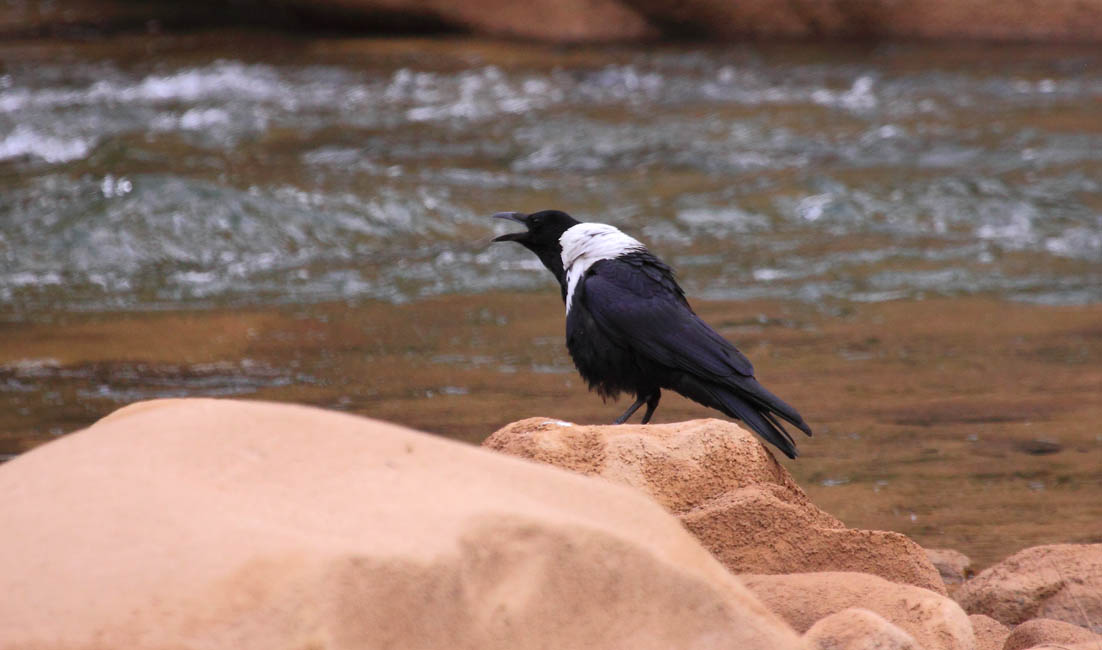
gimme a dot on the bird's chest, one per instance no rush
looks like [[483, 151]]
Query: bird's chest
[[600, 360]]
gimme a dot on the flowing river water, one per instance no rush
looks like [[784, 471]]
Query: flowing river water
[[906, 239]]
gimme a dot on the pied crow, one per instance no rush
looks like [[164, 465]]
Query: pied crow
[[630, 329]]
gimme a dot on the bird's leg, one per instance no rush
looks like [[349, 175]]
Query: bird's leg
[[652, 403], [631, 411]]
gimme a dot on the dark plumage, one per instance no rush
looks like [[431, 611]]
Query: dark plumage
[[630, 329]]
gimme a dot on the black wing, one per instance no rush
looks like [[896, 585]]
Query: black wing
[[637, 300]]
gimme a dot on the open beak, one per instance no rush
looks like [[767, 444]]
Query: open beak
[[518, 217]]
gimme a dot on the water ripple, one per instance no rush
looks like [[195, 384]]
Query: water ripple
[[847, 177]]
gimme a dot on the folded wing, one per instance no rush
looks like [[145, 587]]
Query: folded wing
[[649, 312]]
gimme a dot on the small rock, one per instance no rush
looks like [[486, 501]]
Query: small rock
[[955, 567], [1038, 447], [802, 599], [1041, 631], [990, 634], [1059, 581], [857, 629]]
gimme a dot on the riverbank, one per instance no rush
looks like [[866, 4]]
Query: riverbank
[[581, 20], [967, 423]]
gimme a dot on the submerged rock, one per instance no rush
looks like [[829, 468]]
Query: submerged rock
[[1059, 581], [226, 524], [728, 490]]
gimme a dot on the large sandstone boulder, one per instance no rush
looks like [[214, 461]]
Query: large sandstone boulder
[[223, 524], [857, 629], [990, 634], [1060, 581], [936, 622], [1046, 631], [727, 489]]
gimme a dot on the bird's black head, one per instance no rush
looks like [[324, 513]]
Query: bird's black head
[[544, 229]]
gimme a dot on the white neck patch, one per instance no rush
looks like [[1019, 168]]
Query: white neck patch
[[587, 243]]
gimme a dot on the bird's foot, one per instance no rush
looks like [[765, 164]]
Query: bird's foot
[[650, 400], [630, 412]]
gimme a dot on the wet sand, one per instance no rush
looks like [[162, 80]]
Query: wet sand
[[970, 423]]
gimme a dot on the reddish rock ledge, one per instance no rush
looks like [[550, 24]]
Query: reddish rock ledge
[[723, 484]]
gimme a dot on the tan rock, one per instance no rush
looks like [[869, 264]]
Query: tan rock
[[990, 634], [1042, 631], [224, 524], [802, 599], [857, 629], [1060, 581], [727, 489], [955, 567]]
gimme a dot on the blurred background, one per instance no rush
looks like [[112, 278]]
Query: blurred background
[[894, 208]]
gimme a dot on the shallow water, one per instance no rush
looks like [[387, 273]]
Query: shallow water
[[964, 422], [227, 171], [906, 240]]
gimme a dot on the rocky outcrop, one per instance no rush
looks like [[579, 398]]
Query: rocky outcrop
[[727, 489], [224, 524], [802, 599], [857, 629], [990, 634], [1045, 631], [1060, 581]]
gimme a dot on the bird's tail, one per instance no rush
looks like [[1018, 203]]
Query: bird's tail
[[754, 407], [760, 396]]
